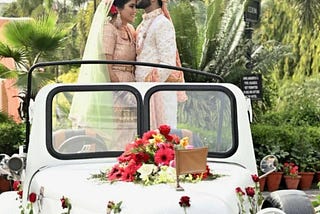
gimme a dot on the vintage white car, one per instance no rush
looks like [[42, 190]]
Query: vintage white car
[[78, 131]]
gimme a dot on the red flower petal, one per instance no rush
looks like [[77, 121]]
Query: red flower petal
[[164, 129], [164, 156], [250, 191], [184, 201], [16, 185], [32, 197]]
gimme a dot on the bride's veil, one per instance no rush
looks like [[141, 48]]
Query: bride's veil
[[93, 109], [94, 47]]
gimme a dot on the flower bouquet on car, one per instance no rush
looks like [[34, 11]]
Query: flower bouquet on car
[[160, 157]]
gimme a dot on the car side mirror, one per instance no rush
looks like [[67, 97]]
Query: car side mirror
[[268, 165]]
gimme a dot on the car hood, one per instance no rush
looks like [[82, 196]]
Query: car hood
[[92, 196]]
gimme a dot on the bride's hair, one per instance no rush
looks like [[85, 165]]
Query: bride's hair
[[120, 3]]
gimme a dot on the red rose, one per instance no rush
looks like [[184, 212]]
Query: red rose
[[16, 185], [250, 191], [255, 178], [63, 202], [164, 129], [20, 193], [32, 197], [239, 191], [113, 10], [184, 201]]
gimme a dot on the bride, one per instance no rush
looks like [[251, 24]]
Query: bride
[[111, 37]]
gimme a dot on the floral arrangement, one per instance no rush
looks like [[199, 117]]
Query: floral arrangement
[[151, 160], [290, 169], [252, 195]]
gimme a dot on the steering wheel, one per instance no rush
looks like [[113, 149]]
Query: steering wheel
[[82, 143]]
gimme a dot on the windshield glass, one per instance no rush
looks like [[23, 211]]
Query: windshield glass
[[93, 121], [106, 121], [204, 115]]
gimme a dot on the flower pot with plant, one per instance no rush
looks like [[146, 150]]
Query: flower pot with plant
[[291, 175], [306, 161], [317, 168], [273, 180]]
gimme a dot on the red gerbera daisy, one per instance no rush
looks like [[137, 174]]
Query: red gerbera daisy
[[163, 156], [115, 173]]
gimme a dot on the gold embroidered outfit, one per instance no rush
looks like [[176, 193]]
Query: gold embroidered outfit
[[120, 44]]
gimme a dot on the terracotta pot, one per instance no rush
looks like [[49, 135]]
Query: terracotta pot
[[4, 184], [317, 176], [262, 182], [292, 182], [306, 180], [273, 181]]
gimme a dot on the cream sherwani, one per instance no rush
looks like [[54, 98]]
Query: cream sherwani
[[156, 43]]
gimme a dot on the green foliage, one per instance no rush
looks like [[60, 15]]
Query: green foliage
[[316, 203], [11, 135], [293, 23], [288, 143], [298, 102], [184, 19], [4, 117], [30, 41], [69, 77]]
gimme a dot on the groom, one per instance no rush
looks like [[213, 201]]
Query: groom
[[156, 43]]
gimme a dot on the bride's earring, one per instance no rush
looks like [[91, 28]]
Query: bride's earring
[[118, 21]]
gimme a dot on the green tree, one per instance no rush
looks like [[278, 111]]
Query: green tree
[[29, 42], [308, 12]]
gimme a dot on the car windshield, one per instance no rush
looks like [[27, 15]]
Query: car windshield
[[101, 119]]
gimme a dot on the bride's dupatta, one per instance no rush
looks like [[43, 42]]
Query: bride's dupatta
[[94, 109]]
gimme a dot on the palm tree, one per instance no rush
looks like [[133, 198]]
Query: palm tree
[[28, 42], [211, 37], [207, 31], [308, 12]]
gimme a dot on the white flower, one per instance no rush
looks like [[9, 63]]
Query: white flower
[[146, 170], [166, 174]]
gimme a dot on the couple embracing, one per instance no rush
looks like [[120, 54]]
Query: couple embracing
[[112, 37]]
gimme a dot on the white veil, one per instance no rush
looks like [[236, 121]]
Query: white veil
[[91, 109], [94, 47]]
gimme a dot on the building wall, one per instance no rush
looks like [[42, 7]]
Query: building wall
[[9, 102]]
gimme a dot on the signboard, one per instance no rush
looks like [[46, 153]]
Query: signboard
[[252, 86], [252, 12]]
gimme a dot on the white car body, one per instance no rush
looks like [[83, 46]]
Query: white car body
[[52, 174]]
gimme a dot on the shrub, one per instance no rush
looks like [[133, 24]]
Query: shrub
[[287, 143], [12, 135]]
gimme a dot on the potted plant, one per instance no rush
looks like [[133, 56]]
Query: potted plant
[[291, 175], [273, 180], [306, 161], [317, 167]]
